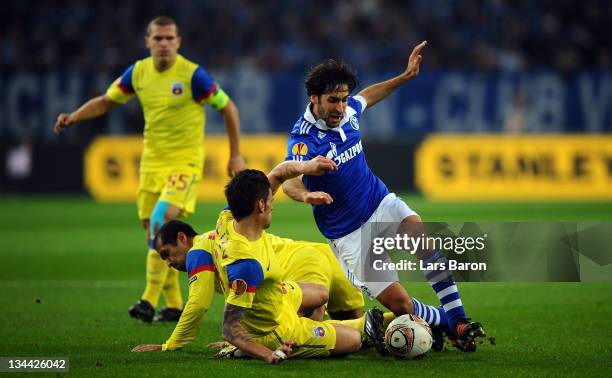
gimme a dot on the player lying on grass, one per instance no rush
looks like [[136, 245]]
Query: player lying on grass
[[311, 265], [261, 311]]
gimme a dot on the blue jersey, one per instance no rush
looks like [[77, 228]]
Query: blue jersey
[[356, 191]]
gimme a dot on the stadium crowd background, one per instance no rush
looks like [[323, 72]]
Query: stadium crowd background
[[270, 35], [496, 66]]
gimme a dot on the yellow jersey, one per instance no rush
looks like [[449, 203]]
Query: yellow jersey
[[249, 275], [208, 263], [172, 102], [297, 261]]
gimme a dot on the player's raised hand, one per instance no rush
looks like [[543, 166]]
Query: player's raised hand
[[317, 198], [414, 61], [235, 165], [63, 122], [147, 348], [318, 166]]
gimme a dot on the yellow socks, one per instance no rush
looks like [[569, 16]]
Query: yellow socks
[[172, 290], [157, 270], [358, 324]]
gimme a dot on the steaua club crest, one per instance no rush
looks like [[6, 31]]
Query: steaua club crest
[[319, 331], [177, 89]]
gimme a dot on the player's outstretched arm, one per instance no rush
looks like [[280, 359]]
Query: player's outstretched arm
[[201, 290], [91, 109], [235, 334], [232, 126], [294, 188], [375, 93], [290, 169]]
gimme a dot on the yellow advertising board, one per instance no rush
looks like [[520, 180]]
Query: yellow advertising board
[[538, 167], [111, 164]]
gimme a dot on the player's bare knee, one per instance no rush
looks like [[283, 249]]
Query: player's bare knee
[[318, 314], [313, 295], [412, 218], [412, 225], [323, 294], [172, 212], [320, 293]]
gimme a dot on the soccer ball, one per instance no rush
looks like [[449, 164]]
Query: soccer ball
[[408, 336]]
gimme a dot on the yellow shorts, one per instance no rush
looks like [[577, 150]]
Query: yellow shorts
[[315, 263], [175, 186], [314, 339]]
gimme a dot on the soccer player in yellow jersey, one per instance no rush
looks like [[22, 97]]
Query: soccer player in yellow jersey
[[260, 314], [172, 92], [303, 262]]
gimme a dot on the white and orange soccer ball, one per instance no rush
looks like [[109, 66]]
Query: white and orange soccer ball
[[408, 336]]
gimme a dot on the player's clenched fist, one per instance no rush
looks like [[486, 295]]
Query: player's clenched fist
[[318, 166], [63, 122]]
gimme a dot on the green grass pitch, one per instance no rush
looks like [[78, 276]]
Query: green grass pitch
[[71, 267]]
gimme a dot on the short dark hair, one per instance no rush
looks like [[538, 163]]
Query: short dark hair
[[328, 76], [162, 21], [244, 190], [168, 233]]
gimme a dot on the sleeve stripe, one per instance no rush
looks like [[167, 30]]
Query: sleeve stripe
[[125, 81], [362, 102], [199, 260], [207, 95], [248, 270], [124, 89], [251, 289], [201, 268]]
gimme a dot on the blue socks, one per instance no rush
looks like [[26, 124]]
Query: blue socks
[[441, 280], [434, 316]]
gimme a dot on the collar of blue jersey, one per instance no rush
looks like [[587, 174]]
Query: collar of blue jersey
[[321, 125]]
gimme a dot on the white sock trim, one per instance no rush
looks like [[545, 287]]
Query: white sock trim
[[450, 305], [449, 290]]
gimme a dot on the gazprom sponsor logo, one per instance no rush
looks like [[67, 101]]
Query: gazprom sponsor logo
[[345, 156]]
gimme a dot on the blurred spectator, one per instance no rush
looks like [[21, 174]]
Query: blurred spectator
[[517, 118], [293, 34]]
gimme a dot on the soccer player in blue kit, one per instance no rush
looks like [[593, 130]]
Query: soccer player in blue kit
[[348, 200]]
